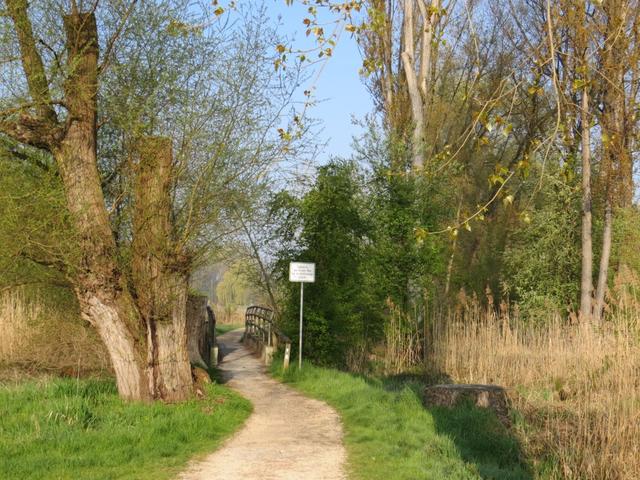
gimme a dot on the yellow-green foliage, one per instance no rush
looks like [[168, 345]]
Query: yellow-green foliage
[[35, 234]]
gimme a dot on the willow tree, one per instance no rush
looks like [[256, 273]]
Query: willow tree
[[452, 98], [67, 128], [150, 150]]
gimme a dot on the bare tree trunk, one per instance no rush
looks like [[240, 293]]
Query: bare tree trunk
[[429, 19], [409, 65], [604, 262], [197, 317], [112, 317], [616, 62], [160, 273], [387, 56], [586, 283]]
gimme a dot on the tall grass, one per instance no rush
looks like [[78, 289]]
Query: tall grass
[[15, 315], [402, 341], [45, 333], [577, 386]]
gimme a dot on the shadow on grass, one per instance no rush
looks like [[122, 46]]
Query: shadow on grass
[[480, 438]]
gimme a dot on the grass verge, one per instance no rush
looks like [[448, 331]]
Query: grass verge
[[227, 327], [389, 435], [69, 429]]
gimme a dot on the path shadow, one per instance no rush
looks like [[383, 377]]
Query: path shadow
[[227, 344], [227, 347]]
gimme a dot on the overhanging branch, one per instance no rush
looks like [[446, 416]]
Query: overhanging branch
[[31, 131]]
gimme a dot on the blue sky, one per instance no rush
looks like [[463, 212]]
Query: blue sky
[[339, 90]]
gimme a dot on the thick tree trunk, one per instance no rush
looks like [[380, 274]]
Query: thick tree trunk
[[124, 348], [159, 273], [586, 283], [100, 285], [169, 367], [146, 340]]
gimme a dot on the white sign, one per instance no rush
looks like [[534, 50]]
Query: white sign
[[302, 272]]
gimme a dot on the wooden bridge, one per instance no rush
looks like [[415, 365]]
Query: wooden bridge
[[263, 336]]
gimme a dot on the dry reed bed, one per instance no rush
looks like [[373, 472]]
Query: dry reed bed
[[15, 314], [37, 337], [578, 386]]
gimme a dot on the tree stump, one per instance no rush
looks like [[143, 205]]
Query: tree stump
[[492, 397]]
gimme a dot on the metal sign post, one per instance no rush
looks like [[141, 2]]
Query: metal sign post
[[303, 273], [301, 310]]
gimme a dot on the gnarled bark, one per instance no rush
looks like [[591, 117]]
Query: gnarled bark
[[145, 334], [127, 357], [100, 285], [159, 272]]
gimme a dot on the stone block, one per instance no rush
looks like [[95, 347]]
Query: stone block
[[492, 397]]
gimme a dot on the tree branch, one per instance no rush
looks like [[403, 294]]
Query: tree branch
[[32, 61], [110, 44], [31, 131]]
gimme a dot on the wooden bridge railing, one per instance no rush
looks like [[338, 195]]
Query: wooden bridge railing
[[261, 332]]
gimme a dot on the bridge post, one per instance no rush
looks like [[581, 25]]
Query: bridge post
[[268, 355], [287, 355], [214, 355]]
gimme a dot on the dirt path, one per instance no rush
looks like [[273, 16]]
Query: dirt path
[[288, 436]]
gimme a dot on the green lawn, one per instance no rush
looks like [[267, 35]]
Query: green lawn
[[227, 327], [69, 429], [389, 435]]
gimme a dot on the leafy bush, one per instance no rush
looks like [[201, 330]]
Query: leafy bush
[[327, 226], [542, 258]]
